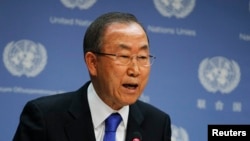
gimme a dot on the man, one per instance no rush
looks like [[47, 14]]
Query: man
[[117, 55]]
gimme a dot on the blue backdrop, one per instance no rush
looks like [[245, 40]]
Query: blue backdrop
[[201, 75]]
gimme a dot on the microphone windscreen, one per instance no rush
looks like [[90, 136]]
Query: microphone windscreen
[[136, 136]]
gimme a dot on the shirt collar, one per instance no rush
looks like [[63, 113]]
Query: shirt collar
[[100, 111]]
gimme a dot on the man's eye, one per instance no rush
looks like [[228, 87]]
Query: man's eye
[[142, 57], [124, 56]]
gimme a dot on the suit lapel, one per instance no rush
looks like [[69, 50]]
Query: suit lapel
[[80, 127], [134, 122]]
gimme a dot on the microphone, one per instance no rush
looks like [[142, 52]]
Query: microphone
[[136, 136]]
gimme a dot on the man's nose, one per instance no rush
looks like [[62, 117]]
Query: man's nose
[[133, 68]]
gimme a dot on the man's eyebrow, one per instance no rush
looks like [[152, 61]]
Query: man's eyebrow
[[145, 47], [123, 46]]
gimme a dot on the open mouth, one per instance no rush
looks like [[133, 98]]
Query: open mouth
[[130, 86]]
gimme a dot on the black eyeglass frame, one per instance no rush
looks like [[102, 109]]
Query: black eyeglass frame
[[111, 54]]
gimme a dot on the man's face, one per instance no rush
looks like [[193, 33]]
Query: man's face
[[118, 84]]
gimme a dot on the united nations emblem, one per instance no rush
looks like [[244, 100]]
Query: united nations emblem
[[179, 134], [24, 57], [177, 8], [219, 74], [81, 4]]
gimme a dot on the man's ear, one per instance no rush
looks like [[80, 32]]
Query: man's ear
[[91, 60]]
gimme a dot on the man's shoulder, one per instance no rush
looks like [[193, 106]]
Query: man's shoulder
[[60, 100], [53, 98], [149, 109], [52, 102]]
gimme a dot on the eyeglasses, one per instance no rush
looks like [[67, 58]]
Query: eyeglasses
[[123, 59]]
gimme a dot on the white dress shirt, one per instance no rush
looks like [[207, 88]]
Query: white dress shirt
[[100, 111]]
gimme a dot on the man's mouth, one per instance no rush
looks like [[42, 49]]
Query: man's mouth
[[130, 86]]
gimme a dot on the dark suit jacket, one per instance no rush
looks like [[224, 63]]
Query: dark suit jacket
[[66, 117]]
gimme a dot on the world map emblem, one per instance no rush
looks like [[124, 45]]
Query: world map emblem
[[179, 134], [176, 8], [219, 74], [24, 57], [81, 4]]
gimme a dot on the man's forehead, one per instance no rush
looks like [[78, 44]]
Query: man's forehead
[[132, 27]]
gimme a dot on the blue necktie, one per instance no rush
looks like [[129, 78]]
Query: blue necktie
[[111, 124]]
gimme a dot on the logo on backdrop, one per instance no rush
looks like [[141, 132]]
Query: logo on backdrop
[[179, 134], [219, 74], [177, 8], [24, 57], [81, 4]]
